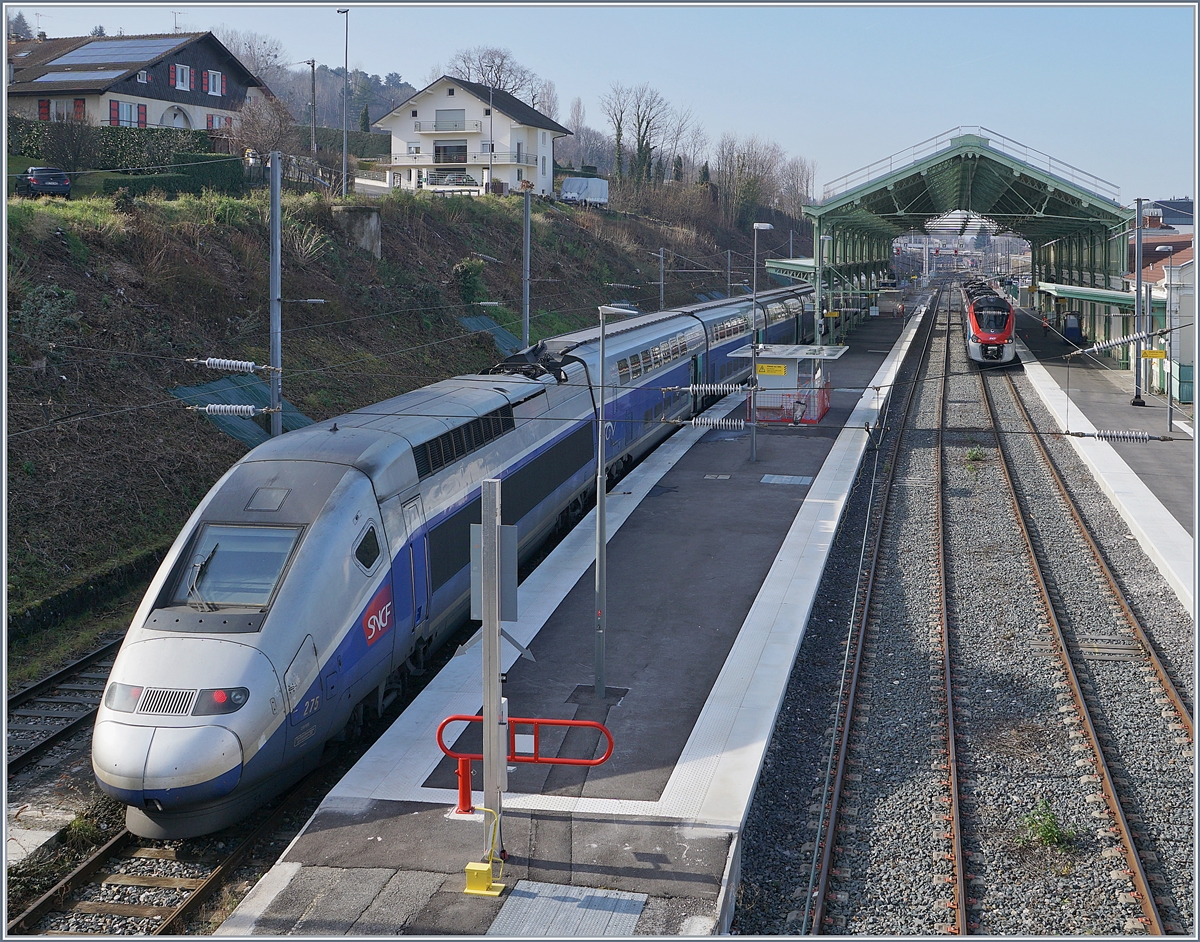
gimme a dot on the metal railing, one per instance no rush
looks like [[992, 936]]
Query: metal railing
[[500, 157], [473, 125], [934, 145]]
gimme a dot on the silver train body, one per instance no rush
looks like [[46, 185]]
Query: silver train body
[[329, 561]]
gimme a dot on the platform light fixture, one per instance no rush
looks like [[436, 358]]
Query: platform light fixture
[[1171, 318], [754, 343]]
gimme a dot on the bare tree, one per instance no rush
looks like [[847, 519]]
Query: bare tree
[[69, 144], [264, 125], [263, 55], [546, 100], [615, 105], [435, 72], [695, 147], [797, 178], [747, 176], [496, 68], [649, 112]]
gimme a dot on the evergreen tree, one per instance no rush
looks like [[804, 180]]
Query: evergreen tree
[[393, 80], [364, 120], [97, 31], [704, 178], [18, 28], [677, 169]]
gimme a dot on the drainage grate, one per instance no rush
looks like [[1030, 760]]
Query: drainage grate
[[716, 477], [550, 909], [163, 701]]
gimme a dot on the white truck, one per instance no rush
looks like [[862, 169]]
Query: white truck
[[587, 190]]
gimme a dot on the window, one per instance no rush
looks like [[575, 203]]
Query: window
[[213, 82], [450, 92], [623, 371], [518, 155], [543, 166], [183, 76], [519, 176], [143, 76], [647, 363], [487, 112], [234, 565], [414, 114], [367, 550], [656, 356], [414, 148], [683, 345], [635, 364], [674, 348], [410, 174], [450, 152], [62, 109], [543, 137], [127, 114]]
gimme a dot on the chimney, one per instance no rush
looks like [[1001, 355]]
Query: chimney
[[1153, 218], [41, 37]]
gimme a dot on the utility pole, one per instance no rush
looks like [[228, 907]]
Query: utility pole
[[345, 102], [791, 254], [276, 158], [661, 280], [728, 275], [525, 270], [1137, 399], [312, 104]]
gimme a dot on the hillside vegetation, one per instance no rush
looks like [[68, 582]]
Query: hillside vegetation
[[105, 305]]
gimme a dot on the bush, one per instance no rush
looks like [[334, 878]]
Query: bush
[[108, 148], [169, 183], [359, 144], [210, 171]]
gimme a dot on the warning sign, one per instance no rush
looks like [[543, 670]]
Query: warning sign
[[772, 369], [1146, 355]]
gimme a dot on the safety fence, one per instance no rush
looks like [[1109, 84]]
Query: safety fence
[[806, 405]]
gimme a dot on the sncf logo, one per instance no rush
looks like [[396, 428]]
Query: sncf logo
[[379, 615]]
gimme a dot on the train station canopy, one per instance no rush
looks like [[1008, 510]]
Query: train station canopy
[[971, 171], [1123, 299]]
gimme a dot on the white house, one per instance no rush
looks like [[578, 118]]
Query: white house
[[458, 135]]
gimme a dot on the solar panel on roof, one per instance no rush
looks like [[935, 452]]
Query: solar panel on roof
[[78, 76], [121, 50]]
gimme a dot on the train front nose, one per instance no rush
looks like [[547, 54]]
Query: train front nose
[[164, 768]]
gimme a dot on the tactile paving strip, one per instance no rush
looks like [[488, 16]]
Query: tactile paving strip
[[549, 909]]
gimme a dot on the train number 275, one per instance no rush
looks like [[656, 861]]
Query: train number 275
[[311, 706]]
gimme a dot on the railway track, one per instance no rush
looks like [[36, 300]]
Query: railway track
[[1102, 662], [131, 886], [845, 751], [56, 708]]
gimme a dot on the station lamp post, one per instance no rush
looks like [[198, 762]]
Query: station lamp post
[[1169, 373], [345, 101], [818, 323], [754, 343]]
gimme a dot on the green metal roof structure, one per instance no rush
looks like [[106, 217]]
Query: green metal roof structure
[[1123, 299], [1073, 220]]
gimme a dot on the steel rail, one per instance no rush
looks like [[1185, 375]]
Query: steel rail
[[33, 753], [1137, 873], [828, 822], [1148, 647], [959, 901], [53, 680], [172, 916]]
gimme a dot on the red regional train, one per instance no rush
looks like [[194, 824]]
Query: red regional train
[[991, 324]]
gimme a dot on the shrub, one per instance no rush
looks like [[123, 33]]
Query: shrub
[[210, 171], [42, 313], [169, 183]]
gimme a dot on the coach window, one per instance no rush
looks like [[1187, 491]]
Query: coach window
[[656, 356], [635, 366], [367, 551], [647, 363], [623, 371], [683, 345], [674, 348]]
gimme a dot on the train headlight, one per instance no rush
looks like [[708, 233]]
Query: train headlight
[[122, 697], [975, 338], [220, 700], [1009, 340]]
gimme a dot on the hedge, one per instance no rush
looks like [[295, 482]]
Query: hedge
[[141, 184], [359, 144], [211, 171], [112, 148]]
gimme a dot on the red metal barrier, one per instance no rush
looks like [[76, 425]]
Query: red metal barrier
[[807, 405], [465, 759]]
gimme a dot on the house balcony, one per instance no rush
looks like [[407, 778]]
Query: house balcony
[[478, 159], [429, 127]]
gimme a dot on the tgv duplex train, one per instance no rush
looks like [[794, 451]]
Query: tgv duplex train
[[990, 324], [329, 561]]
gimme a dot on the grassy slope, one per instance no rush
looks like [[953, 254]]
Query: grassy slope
[[104, 307]]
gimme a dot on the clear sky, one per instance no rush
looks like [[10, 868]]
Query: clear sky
[[1109, 89]]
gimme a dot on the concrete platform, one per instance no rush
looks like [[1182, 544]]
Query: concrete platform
[[712, 574], [1150, 485]]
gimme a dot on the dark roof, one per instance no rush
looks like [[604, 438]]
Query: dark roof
[[106, 61], [1175, 212], [502, 101]]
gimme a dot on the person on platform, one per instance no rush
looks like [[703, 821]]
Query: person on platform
[[1045, 325]]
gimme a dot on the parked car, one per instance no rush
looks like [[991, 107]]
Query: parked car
[[39, 180], [456, 178]]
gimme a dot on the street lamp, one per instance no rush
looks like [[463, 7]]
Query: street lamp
[[1170, 371], [601, 515], [345, 101], [754, 343], [818, 323]]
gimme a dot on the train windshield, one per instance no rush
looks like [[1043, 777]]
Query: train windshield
[[992, 320], [234, 565]]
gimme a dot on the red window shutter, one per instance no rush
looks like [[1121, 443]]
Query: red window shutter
[[172, 79], [80, 113], [204, 81], [141, 116], [191, 80], [228, 121], [114, 112], [43, 109], [222, 83], [210, 117]]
